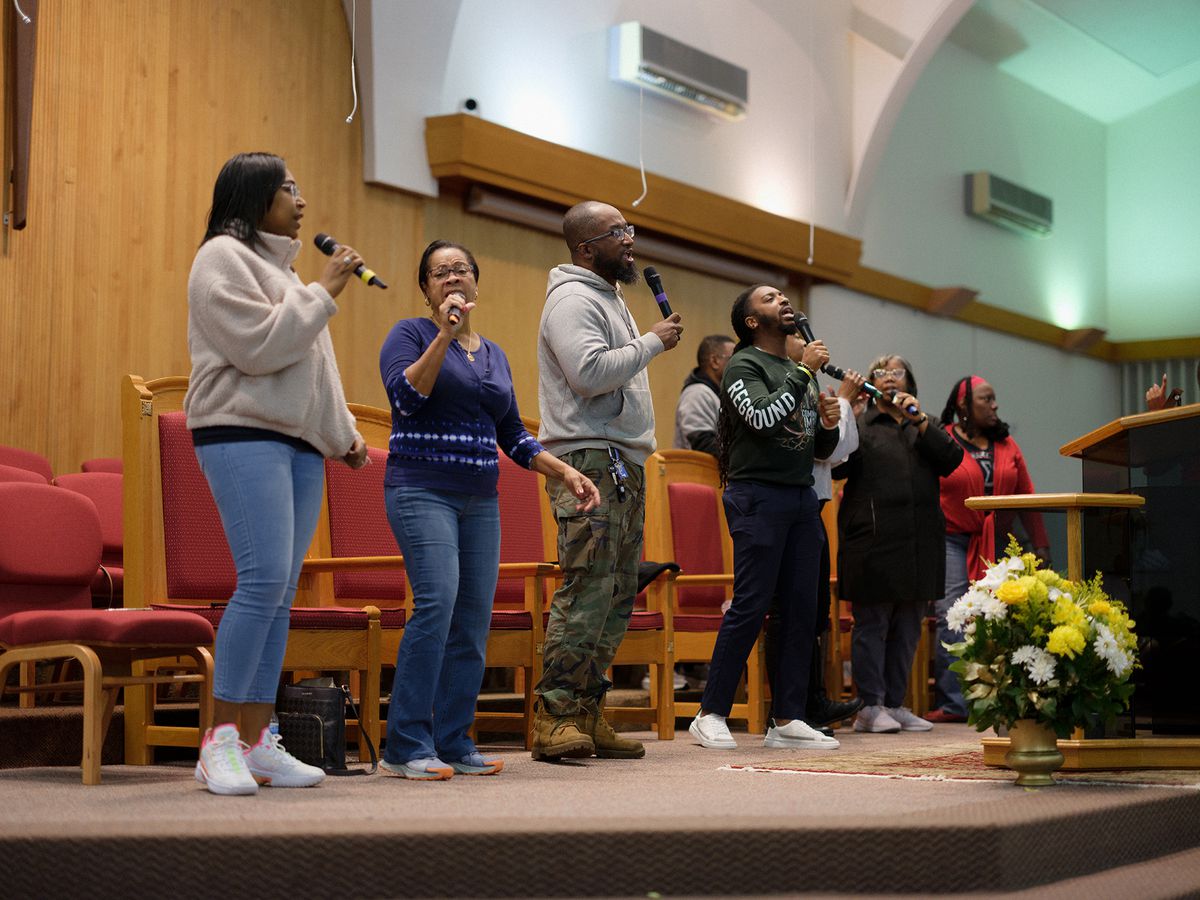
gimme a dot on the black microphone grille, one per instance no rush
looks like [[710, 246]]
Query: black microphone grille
[[324, 243]]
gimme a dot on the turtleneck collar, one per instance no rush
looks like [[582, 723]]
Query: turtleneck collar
[[277, 248]]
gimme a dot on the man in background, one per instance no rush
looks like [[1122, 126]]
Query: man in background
[[700, 400]]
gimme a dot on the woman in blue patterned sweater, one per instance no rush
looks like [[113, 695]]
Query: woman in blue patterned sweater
[[453, 403]]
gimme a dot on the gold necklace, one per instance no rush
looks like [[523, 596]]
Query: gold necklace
[[466, 348]]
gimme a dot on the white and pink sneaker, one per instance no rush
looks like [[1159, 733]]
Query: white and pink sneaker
[[222, 765], [272, 765]]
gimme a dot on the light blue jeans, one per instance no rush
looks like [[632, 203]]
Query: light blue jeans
[[451, 547], [269, 497], [949, 690]]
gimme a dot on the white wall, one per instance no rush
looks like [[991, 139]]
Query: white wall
[[541, 67], [1048, 397], [965, 115], [1154, 220]]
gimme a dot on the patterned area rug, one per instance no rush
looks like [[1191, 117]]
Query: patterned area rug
[[950, 762]]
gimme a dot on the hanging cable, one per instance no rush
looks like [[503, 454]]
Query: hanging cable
[[641, 128], [21, 12], [353, 55], [812, 143]]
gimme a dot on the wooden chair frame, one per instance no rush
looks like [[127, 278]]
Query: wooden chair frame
[[107, 668], [145, 576], [655, 649], [664, 468]]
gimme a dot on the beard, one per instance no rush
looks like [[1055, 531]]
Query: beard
[[788, 327], [612, 269]]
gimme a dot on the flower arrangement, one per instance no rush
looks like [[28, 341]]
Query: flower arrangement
[[1040, 647]]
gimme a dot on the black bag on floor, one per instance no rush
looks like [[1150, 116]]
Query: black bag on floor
[[312, 724]]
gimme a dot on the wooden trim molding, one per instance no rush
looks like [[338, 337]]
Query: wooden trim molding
[[464, 150]]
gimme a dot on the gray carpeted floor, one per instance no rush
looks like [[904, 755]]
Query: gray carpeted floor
[[674, 822]]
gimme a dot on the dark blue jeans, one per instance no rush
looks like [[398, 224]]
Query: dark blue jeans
[[777, 538], [451, 547]]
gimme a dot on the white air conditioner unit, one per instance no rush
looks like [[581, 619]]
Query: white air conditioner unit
[[640, 56], [1008, 205]]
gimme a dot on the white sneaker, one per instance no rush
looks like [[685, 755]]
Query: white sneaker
[[678, 682], [797, 735], [274, 766], [909, 721], [875, 719], [222, 766], [712, 732]]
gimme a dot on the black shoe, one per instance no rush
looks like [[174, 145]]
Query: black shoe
[[824, 729], [823, 711]]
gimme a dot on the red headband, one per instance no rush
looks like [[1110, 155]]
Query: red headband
[[962, 387]]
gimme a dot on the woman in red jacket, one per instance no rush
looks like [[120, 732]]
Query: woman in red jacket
[[992, 463]]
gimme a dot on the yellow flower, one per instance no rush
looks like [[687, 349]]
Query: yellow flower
[[1099, 607], [1030, 560], [1067, 613], [1012, 592], [1035, 588], [1065, 640], [1048, 577]]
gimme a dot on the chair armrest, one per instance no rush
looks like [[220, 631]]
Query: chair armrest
[[351, 563]]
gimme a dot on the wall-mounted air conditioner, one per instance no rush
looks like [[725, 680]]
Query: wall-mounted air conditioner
[[1008, 205], [640, 56]]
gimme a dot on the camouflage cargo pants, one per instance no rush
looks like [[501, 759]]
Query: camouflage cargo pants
[[599, 553]]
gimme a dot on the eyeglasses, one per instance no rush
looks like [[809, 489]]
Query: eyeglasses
[[615, 233], [884, 373], [292, 188], [462, 270]]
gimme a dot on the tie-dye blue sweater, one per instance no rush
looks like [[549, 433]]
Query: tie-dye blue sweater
[[447, 440]]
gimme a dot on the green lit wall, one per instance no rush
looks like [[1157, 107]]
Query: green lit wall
[[1154, 221], [965, 115]]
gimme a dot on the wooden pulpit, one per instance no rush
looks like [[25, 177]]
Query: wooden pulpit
[[1149, 465]]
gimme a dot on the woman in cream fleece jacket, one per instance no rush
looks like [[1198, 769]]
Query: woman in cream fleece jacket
[[265, 407]]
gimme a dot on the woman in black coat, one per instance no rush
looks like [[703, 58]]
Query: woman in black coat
[[891, 550]]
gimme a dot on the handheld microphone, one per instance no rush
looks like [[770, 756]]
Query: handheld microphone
[[654, 282], [836, 372], [328, 246], [454, 314], [911, 409]]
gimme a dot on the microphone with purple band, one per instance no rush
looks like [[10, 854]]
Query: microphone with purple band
[[654, 282]]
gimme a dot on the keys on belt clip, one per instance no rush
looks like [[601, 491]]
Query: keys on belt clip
[[618, 473]]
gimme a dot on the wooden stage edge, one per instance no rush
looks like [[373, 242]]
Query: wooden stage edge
[[1112, 753]]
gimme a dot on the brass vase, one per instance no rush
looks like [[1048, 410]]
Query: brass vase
[[1033, 753]]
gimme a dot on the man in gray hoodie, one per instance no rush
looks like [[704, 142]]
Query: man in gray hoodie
[[597, 416]]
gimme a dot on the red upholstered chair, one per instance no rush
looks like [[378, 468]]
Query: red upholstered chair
[[50, 545], [648, 640], [27, 459], [16, 473], [685, 522], [517, 630], [112, 464], [176, 552], [104, 489]]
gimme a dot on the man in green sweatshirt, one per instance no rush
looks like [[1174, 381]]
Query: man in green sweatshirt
[[773, 423]]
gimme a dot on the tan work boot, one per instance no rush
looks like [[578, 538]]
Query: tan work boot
[[609, 744], [558, 737]]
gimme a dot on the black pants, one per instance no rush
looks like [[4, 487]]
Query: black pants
[[824, 601], [777, 538]]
